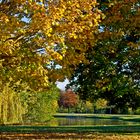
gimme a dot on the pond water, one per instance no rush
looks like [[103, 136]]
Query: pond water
[[82, 121]]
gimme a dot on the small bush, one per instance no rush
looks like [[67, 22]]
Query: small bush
[[41, 106], [137, 111]]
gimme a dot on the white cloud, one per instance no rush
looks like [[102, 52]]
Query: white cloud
[[62, 85]]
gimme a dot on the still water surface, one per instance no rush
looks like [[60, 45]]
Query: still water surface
[[81, 121]]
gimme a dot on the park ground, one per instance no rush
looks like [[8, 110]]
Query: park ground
[[69, 136], [104, 132]]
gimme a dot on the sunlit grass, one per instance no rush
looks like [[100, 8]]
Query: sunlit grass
[[70, 136]]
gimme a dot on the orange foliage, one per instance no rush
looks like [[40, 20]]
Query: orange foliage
[[68, 99]]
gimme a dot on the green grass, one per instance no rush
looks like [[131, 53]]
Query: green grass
[[76, 129], [79, 129]]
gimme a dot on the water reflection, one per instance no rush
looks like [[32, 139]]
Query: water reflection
[[73, 121]]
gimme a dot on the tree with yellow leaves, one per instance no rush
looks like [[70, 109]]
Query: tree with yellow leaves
[[35, 33]]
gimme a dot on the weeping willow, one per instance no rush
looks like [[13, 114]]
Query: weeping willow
[[19, 106], [11, 109]]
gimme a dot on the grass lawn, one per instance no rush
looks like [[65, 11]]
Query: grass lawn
[[72, 129], [105, 132]]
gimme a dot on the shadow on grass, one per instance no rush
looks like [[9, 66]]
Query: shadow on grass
[[70, 129]]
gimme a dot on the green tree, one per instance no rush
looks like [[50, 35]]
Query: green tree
[[113, 69], [40, 106], [111, 78]]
